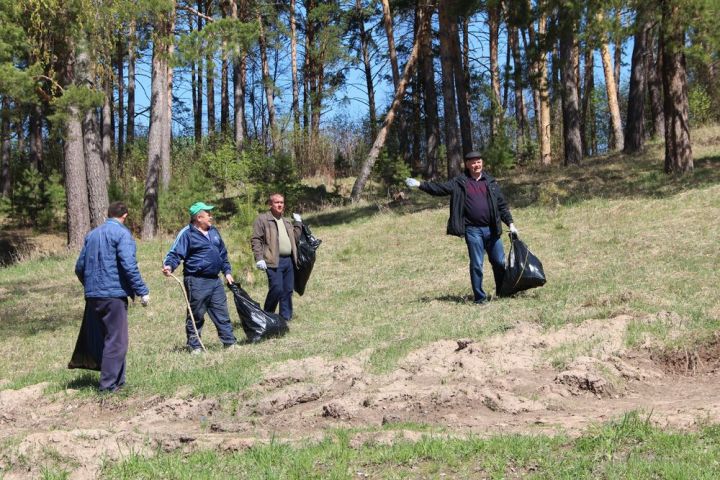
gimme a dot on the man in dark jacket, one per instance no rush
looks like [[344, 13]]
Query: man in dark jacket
[[477, 208], [108, 270], [203, 252], [273, 244]]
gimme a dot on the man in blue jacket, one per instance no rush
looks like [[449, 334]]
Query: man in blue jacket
[[203, 252], [108, 270], [477, 208]]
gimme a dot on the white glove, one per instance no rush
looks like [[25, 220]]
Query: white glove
[[261, 265], [513, 230], [144, 300], [297, 217], [411, 182]]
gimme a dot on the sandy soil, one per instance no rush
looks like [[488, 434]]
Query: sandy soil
[[520, 381]]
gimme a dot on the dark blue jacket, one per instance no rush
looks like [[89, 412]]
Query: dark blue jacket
[[455, 187], [107, 266], [202, 256]]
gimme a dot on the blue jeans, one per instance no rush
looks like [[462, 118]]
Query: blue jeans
[[480, 240], [207, 295], [281, 281]]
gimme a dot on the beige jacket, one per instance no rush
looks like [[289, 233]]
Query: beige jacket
[[264, 239]]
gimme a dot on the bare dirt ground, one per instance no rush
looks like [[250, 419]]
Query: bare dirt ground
[[516, 382]]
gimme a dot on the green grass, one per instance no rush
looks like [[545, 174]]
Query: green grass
[[615, 237], [627, 448]]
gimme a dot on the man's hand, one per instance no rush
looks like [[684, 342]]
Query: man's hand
[[261, 265], [144, 300], [411, 182], [166, 270], [297, 217], [229, 278], [513, 230]]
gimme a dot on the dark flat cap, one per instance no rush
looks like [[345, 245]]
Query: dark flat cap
[[472, 155]]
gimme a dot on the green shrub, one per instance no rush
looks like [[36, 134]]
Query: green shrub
[[499, 155], [391, 171], [700, 105], [38, 199]]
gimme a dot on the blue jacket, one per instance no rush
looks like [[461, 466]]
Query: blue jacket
[[107, 267], [203, 256]]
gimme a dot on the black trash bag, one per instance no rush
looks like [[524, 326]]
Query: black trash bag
[[256, 322], [523, 270], [90, 344], [307, 244]]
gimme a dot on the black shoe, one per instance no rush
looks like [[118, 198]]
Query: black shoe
[[484, 301]]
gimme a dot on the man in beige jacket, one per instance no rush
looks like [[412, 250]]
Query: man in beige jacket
[[273, 245]]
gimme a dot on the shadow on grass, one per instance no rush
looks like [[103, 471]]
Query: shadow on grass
[[17, 320], [457, 299], [612, 177], [85, 381]]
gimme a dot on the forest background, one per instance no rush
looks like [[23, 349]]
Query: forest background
[[243, 93]]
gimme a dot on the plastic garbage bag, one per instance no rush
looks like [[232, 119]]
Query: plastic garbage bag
[[523, 270], [89, 345], [256, 322], [307, 244]]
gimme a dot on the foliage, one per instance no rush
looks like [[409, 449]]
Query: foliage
[[227, 167], [701, 106], [391, 171], [499, 155], [38, 200]]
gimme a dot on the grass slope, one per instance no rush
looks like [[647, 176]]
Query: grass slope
[[615, 236]]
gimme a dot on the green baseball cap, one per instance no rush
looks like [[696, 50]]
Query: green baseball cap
[[197, 206]]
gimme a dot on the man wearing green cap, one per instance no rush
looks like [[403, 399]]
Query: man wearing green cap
[[203, 253]]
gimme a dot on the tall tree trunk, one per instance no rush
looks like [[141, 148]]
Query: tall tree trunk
[[635, 125], [403, 134], [379, 142], [94, 170], [365, 57], [76, 187], [520, 112], [388, 25], [539, 82], [462, 96], [425, 60], [452, 133], [96, 179], [544, 97], [267, 81], [36, 137], [157, 132], [570, 100], [238, 88], [494, 9], [120, 68], [678, 149], [587, 114], [210, 79], [294, 73], [618, 50], [616, 137], [166, 172], [107, 130], [224, 92], [5, 151], [131, 83], [655, 90]]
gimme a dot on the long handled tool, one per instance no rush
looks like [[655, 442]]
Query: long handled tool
[[192, 317]]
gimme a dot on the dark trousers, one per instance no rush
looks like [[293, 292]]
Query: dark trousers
[[207, 295], [110, 315], [281, 281]]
